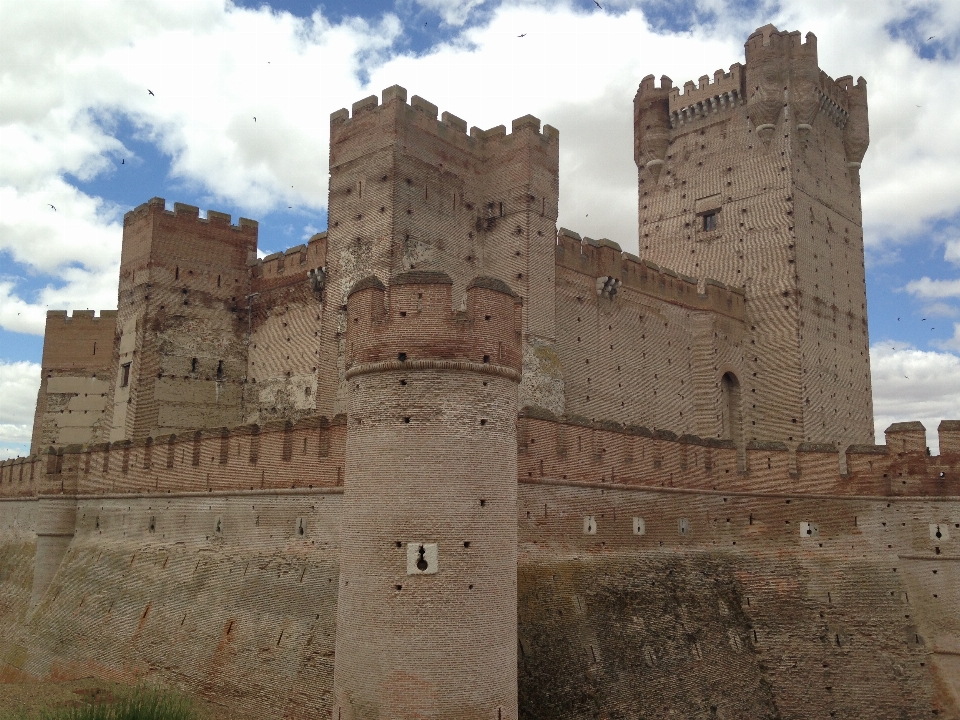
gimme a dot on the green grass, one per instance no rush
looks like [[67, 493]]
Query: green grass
[[141, 703]]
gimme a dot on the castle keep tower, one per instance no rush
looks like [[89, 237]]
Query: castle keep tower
[[181, 321], [427, 606], [753, 178], [75, 378], [411, 191]]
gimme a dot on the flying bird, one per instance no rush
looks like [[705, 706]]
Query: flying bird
[[524, 35], [254, 118], [54, 209], [123, 161], [150, 91], [931, 38], [598, 4]]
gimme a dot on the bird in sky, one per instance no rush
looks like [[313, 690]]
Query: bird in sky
[[123, 161], [923, 320], [254, 118], [524, 35], [931, 38], [598, 4], [54, 208], [150, 91]]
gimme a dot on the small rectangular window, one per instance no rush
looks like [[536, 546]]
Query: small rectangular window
[[709, 221], [124, 374]]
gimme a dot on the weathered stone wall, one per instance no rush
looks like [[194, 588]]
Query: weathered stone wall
[[232, 596], [284, 315], [639, 344], [181, 328], [658, 604], [76, 373], [740, 616]]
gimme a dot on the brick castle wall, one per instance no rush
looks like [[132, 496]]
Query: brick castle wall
[[610, 622]]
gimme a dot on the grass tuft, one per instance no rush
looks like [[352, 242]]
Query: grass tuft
[[142, 703]]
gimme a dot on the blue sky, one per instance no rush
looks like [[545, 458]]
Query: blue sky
[[78, 130]]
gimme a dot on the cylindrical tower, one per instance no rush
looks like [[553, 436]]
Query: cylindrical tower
[[427, 609]]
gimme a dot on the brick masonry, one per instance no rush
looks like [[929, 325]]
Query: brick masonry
[[619, 489]]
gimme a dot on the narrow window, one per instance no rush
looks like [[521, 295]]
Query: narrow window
[[709, 222], [220, 370], [730, 406], [360, 188], [125, 375], [176, 273], [501, 209], [218, 281], [193, 365], [94, 348]]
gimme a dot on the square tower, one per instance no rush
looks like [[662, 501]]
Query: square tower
[[181, 346], [411, 190], [753, 178]]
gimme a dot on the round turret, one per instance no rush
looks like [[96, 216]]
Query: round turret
[[427, 608]]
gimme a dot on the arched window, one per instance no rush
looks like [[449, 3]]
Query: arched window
[[730, 406]]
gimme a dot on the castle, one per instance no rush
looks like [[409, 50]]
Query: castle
[[447, 460]]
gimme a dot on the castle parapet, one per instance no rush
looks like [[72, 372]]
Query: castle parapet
[[707, 97], [368, 113], [949, 433], [414, 322], [185, 212], [907, 437], [615, 270], [292, 265]]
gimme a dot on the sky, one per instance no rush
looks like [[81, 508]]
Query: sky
[[82, 140]]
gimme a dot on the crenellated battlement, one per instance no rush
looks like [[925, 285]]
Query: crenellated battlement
[[604, 260], [185, 212], [786, 42], [724, 92], [310, 453], [424, 114], [295, 263], [81, 317], [414, 322]]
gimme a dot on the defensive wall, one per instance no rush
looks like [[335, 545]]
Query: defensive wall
[[634, 597]]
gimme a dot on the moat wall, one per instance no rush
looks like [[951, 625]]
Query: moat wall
[[738, 616]]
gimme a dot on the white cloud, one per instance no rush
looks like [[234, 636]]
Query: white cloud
[[19, 383], [927, 288], [453, 12], [911, 384], [951, 343], [952, 251]]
